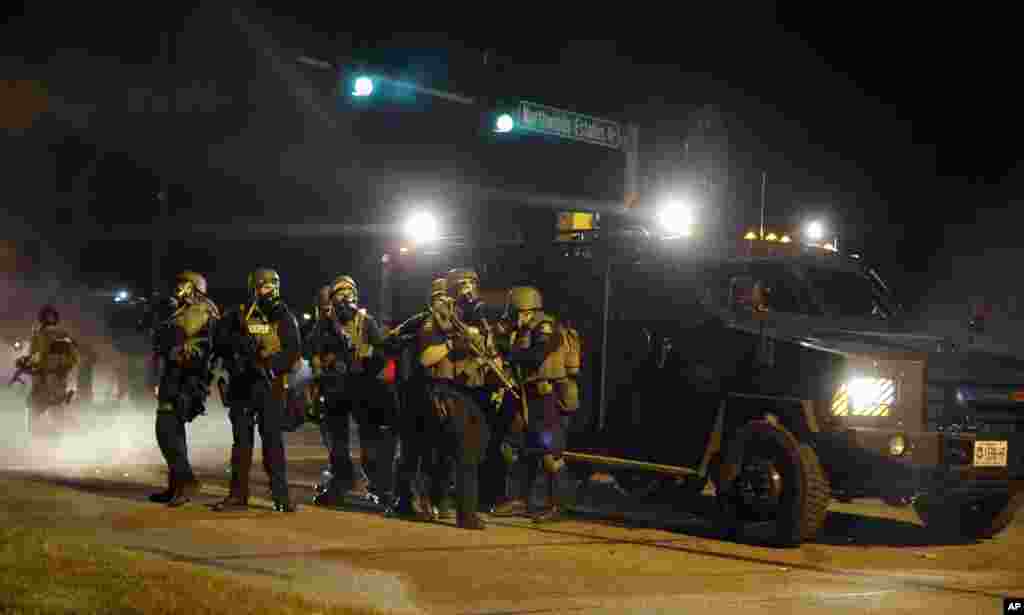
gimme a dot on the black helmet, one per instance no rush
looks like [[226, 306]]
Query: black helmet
[[48, 315]]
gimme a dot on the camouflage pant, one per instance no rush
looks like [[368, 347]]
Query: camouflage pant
[[48, 390]]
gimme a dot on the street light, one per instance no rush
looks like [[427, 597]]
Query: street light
[[815, 231], [676, 218], [422, 227], [121, 296]]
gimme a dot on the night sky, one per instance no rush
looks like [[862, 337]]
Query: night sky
[[901, 129]]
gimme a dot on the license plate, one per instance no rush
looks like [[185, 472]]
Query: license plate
[[990, 454]]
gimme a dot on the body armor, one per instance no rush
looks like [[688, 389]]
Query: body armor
[[357, 331], [194, 320], [560, 366], [52, 357], [258, 325], [53, 351]]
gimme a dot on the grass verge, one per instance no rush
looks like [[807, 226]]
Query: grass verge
[[47, 573]]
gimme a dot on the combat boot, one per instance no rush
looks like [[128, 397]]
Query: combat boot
[[238, 495], [167, 494], [552, 510], [510, 508], [285, 506], [184, 492], [410, 508], [467, 499]]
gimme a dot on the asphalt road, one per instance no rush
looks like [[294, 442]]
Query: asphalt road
[[615, 555]]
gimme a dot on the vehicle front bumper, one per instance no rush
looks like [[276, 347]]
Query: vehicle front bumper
[[934, 462]]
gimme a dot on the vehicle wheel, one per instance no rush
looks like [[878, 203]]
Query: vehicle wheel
[[975, 518], [780, 480]]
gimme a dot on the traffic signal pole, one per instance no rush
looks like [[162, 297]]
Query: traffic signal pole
[[630, 140]]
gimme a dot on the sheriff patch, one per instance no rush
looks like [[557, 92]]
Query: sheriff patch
[[259, 328]]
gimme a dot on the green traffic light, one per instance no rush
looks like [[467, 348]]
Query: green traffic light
[[363, 86], [504, 123]]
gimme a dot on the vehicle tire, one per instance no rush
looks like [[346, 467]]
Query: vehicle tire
[[798, 491], [982, 517]]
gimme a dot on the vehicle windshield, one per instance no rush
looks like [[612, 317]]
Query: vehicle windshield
[[848, 294], [806, 289]]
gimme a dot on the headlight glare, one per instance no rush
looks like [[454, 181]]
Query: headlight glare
[[864, 397]]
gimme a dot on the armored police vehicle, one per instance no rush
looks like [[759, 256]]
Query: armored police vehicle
[[782, 373]]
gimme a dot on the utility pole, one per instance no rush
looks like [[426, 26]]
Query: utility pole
[[159, 245], [764, 186]]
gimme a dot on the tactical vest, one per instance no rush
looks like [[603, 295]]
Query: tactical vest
[[553, 366], [358, 333], [562, 360], [443, 369], [268, 343], [195, 320], [268, 340], [53, 351]]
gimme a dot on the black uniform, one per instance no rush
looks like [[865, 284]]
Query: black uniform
[[184, 348], [342, 346], [461, 397], [264, 344], [419, 429]]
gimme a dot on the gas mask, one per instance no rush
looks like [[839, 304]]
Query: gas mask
[[268, 295], [467, 294], [183, 292], [523, 318], [265, 289], [344, 302]]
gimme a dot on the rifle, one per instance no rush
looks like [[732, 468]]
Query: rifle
[[479, 350]]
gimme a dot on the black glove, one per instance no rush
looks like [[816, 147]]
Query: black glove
[[346, 311]]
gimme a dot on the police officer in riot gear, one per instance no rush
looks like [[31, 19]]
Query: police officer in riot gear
[[183, 342], [458, 352], [537, 352], [350, 335], [262, 341], [52, 357], [419, 429]]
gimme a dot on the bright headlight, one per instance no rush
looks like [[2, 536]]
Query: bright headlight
[[864, 397]]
